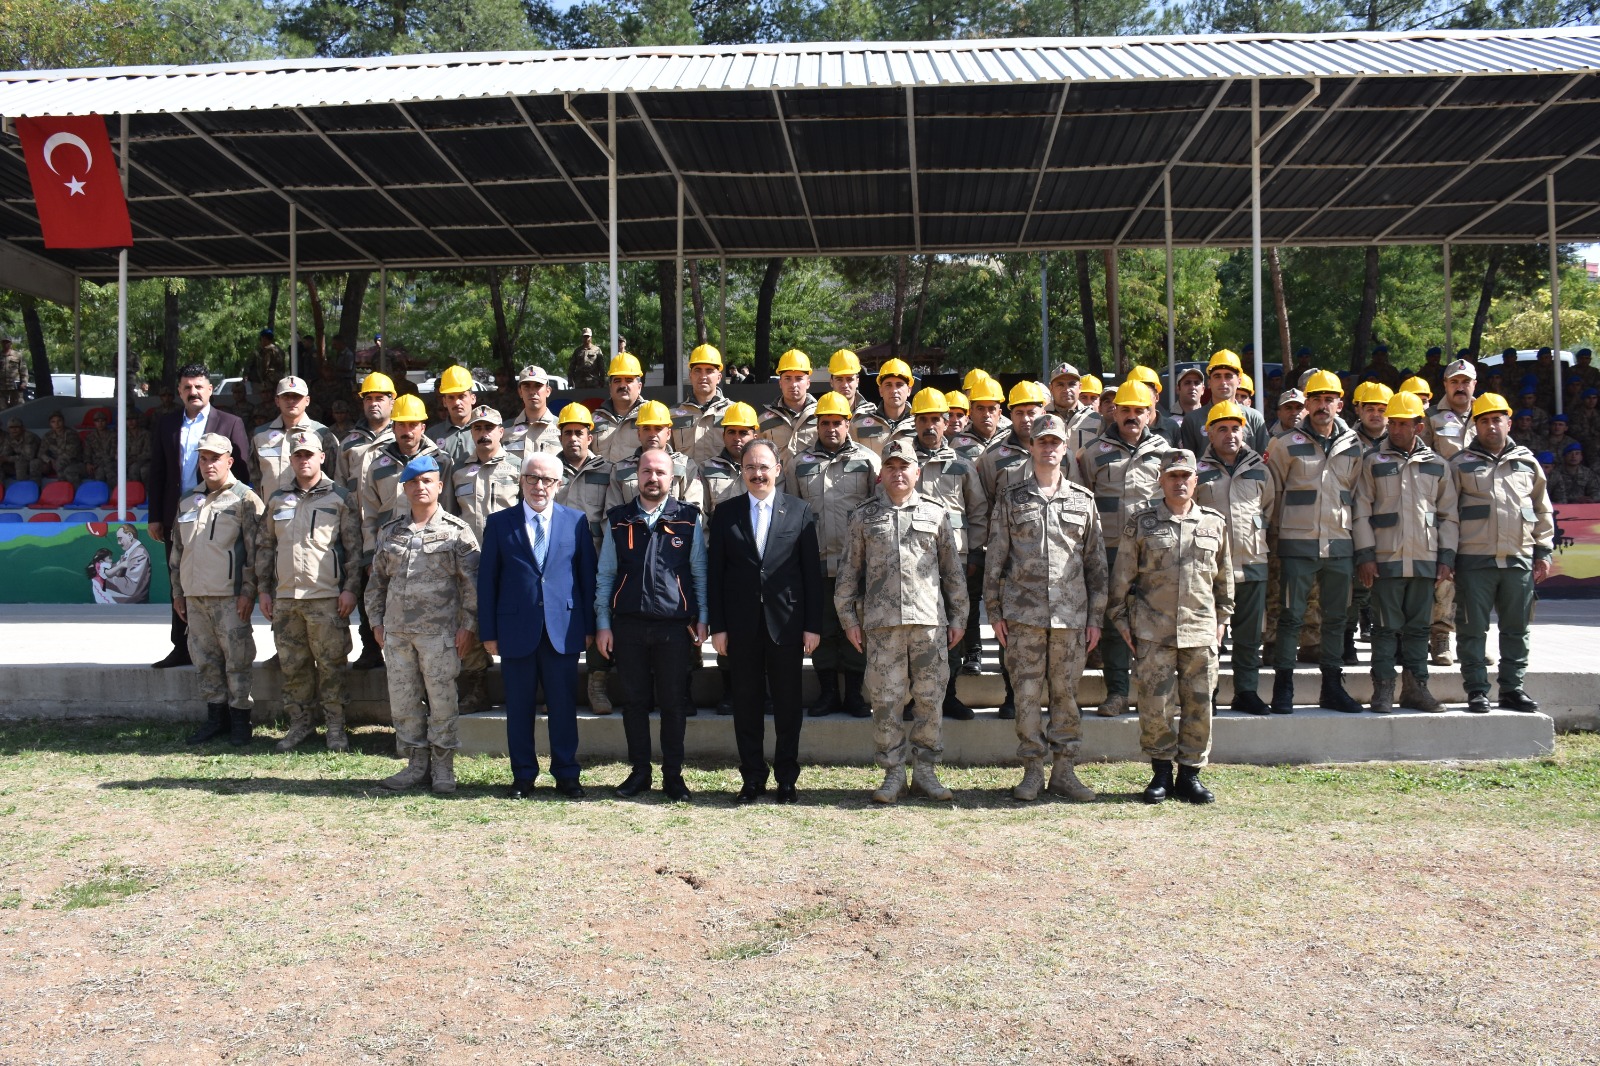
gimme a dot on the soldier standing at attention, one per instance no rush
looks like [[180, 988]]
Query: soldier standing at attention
[[1449, 430], [614, 436], [1045, 588], [214, 587], [423, 601], [834, 476], [844, 376], [13, 374], [308, 570], [534, 429], [697, 421], [894, 419], [1405, 537], [457, 397], [586, 367], [379, 493], [902, 599], [791, 421], [585, 479], [1171, 595], [377, 404], [269, 455]]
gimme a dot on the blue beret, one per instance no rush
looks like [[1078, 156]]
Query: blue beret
[[1573, 447], [1380, 348], [1547, 458], [1302, 350], [422, 464], [1591, 392], [1435, 350], [1559, 418], [1544, 351], [1581, 352], [1526, 412]]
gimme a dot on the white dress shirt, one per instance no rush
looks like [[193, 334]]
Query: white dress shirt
[[189, 448]]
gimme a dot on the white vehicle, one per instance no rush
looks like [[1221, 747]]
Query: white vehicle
[[1526, 355], [95, 386]]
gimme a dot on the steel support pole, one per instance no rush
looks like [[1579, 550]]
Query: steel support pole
[[1255, 230], [677, 314], [383, 320], [611, 198], [294, 296], [1172, 315], [1114, 310], [1044, 317], [77, 334], [1555, 283], [1449, 311], [722, 305], [122, 388]]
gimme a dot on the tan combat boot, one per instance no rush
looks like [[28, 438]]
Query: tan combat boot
[[1439, 650], [1064, 783], [893, 787], [415, 773], [337, 740], [1115, 704], [1382, 694], [444, 771], [300, 728], [1032, 781], [925, 782], [473, 691], [1414, 693], [599, 698]]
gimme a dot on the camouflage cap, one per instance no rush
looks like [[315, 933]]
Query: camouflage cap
[[484, 413], [900, 448], [1048, 426], [305, 440], [216, 444], [1178, 459]]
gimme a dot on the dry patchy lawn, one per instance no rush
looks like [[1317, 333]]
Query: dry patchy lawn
[[159, 905]]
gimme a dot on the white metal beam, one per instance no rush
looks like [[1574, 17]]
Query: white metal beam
[[1044, 162], [1555, 283], [794, 164], [555, 160], [911, 150]]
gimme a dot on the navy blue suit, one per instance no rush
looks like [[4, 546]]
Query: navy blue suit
[[542, 619]]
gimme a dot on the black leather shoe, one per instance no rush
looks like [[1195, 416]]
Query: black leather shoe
[[675, 790], [637, 782], [520, 790], [371, 658], [788, 794], [1478, 702], [725, 708], [910, 712], [1188, 787], [1007, 711], [1249, 703], [747, 795], [570, 789], [1160, 781], [954, 709], [1283, 692], [972, 664], [1518, 700], [175, 657]]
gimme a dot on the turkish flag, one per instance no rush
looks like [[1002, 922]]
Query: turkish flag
[[76, 185]]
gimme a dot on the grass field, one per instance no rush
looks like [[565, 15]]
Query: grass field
[[162, 905]]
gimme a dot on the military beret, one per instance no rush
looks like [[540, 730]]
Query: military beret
[[422, 464]]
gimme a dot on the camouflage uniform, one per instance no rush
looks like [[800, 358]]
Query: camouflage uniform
[[875, 429], [212, 559], [685, 484], [697, 428], [269, 454], [1568, 484], [833, 484], [100, 453], [1171, 587], [480, 488], [60, 454], [1046, 579], [13, 378], [586, 369], [947, 478], [901, 582], [424, 587], [268, 365], [584, 489], [721, 478], [791, 432], [524, 437], [308, 551], [379, 494], [1245, 494], [616, 436]]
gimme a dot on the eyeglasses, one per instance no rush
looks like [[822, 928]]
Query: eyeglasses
[[544, 482]]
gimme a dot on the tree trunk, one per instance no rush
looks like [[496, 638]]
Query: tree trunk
[[922, 307], [319, 322], [671, 331], [272, 305], [501, 348], [1282, 309], [169, 336], [355, 294], [1369, 308], [699, 301], [1114, 313], [761, 364], [1091, 339], [898, 314], [34, 329], [1491, 274]]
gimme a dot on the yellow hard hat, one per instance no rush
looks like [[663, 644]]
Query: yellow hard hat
[[706, 355], [1417, 386], [1133, 393], [624, 365], [376, 382], [930, 402], [1246, 384], [1224, 358], [896, 368], [956, 398], [1145, 375], [739, 416], [1489, 403], [1089, 385], [844, 362], [834, 404], [1373, 392], [974, 376], [575, 413], [653, 413], [1405, 405], [1225, 411], [1028, 392], [1324, 381], [455, 379], [408, 408], [986, 390], [794, 359]]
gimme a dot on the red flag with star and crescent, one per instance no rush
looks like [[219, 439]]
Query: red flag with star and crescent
[[76, 185]]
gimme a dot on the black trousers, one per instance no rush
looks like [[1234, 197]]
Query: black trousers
[[652, 660], [180, 628], [759, 666]]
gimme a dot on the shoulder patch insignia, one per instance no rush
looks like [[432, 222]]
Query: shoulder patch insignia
[[1298, 438]]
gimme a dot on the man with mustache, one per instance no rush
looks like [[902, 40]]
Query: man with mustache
[[1449, 429]]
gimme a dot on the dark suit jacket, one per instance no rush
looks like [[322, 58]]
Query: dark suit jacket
[[166, 477], [517, 603], [783, 590]]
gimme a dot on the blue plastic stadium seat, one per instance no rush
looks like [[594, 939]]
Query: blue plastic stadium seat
[[20, 494], [92, 494], [82, 516], [9, 516]]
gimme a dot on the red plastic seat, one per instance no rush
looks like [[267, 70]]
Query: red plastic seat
[[88, 416], [48, 516], [55, 494], [135, 495]]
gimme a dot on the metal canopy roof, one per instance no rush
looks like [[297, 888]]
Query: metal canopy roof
[[835, 149]]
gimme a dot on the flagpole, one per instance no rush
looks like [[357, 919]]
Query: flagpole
[[122, 348]]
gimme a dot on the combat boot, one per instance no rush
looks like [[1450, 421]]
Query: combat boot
[[1439, 650], [1115, 703], [1414, 693], [1333, 696], [1189, 788], [1248, 703], [925, 781], [216, 724], [1382, 694], [954, 709], [1064, 782], [337, 738], [972, 662], [1350, 657], [1032, 781], [300, 728], [1365, 632], [1008, 706], [1160, 781], [1282, 692], [599, 698], [239, 729], [828, 703], [855, 703], [371, 658], [472, 690], [415, 773], [893, 787], [443, 768]]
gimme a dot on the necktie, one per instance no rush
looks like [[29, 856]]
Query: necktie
[[538, 540], [761, 528]]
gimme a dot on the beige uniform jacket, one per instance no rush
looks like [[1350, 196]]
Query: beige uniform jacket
[[697, 428], [789, 430], [214, 542], [583, 488], [379, 493], [971, 447], [1317, 482], [1046, 562], [900, 568], [946, 478], [1245, 494], [347, 464], [616, 436], [832, 484], [269, 453], [525, 437], [1449, 432], [1503, 507], [309, 544], [1122, 476], [721, 478], [875, 429], [685, 484], [480, 487], [424, 578], [1002, 465], [1172, 583], [1405, 512]]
